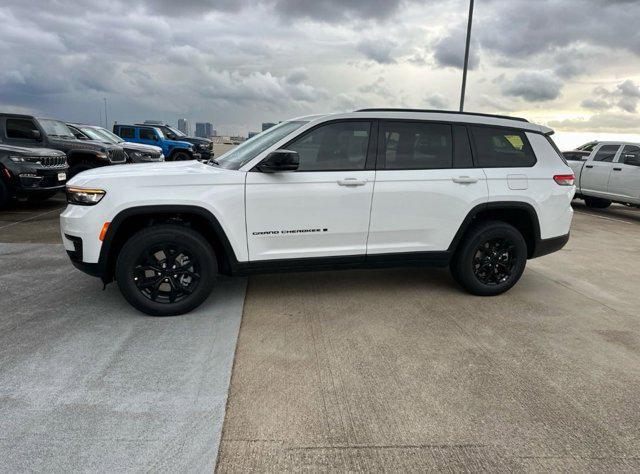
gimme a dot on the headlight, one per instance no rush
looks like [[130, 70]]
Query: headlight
[[84, 196], [17, 159], [102, 154], [161, 157]]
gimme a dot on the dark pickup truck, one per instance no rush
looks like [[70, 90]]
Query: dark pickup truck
[[202, 146], [34, 173], [29, 131]]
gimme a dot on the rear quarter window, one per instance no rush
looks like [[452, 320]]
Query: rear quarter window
[[501, 148]]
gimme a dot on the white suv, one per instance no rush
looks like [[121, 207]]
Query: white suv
[[376, 187]]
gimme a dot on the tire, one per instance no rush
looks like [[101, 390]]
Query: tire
[[140, 264], [4, 194], [80, 167], [597, 203], [42, 196], [480, 265], [180, 156]]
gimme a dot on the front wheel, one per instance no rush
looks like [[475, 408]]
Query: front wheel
[[166, 270], [597, 203], [181, 156], [491, 259]]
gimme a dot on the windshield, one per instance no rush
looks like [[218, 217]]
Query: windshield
[[92, 134], [587, 146], [177, 133], [237, 157], [107, 135], [55, 128]]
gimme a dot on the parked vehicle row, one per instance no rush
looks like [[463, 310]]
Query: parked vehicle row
[[607, 172], [377, 187], [173, 150]]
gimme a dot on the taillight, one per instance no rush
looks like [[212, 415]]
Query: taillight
[[564, 179]]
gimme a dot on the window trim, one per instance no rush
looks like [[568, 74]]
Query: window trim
[[616, 155], [369, 158], [476, 160]]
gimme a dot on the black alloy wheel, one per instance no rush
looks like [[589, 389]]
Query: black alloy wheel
[[166, 273], [494, 261], [490, 259], [166, 269]]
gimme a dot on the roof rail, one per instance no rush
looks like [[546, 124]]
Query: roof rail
[[391, 109]]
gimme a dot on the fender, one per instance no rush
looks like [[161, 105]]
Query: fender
[[105, 259], [496, 205]]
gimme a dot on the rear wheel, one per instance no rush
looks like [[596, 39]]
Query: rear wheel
[[491, 259], [166, 270], [597, 203]]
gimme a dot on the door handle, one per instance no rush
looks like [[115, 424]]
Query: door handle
[[588, 166], [352, 182], [464, 180], [617, 169]]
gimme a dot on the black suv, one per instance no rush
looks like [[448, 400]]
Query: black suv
[[136, 152], [34, 173], [30, 131], [203, 146]]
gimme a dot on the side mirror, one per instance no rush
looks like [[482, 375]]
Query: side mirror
[[36, 135], [280, 160]]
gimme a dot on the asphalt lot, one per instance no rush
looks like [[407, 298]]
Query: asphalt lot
[[356, 370]]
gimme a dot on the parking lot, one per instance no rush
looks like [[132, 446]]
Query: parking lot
[[392, 369]]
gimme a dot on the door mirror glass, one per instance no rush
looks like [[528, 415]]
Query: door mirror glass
[[280, 160], [36, 135]]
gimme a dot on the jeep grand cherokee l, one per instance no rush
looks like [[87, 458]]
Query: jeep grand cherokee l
[[30, 131], [377, 187], [34, 173]]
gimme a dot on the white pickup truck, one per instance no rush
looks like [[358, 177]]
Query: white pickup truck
[[610, 173]]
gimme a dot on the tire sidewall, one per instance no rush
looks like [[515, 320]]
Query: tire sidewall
[[464, 273], [181, 156], [187, 238]]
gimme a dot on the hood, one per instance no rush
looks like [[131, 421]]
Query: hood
[[139, 171], [20, 150], [83, 144], [141, 147], [196, 140]]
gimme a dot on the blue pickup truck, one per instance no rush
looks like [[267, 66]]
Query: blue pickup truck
[[173, 150]]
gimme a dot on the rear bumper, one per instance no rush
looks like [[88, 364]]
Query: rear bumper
[[547, 246]]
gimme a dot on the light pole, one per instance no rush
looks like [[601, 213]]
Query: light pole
[[466, 57], [106, 121]]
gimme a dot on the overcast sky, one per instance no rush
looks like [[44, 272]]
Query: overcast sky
[[571, 64]]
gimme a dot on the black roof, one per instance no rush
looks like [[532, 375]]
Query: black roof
[[391, 109]]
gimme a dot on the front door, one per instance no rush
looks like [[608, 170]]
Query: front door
[[595, 173], [323, 208]]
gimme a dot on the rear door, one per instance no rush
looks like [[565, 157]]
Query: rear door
[[323, 208], [425, 186], [595, 174], [624, 182]]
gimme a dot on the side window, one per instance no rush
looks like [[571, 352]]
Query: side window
[[461, 148], [21, 129], [127, 132], [147, 134], [333, 147], [630, 155], [502, 148], [416, 145], [606, 153]]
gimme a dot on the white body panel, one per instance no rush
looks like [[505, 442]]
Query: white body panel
[[421, 210], [300, 215]]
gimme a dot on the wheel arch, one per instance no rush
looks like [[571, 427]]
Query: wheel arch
[[521, 215], [134, 219]]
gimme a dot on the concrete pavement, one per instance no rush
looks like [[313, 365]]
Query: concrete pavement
[[398, 370], [89, 384]]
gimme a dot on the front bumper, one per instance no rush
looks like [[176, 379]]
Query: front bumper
[[29, 178]]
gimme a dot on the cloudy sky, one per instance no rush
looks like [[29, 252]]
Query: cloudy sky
[[571, 64]]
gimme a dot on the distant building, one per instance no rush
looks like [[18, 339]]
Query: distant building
[[204, 129], [252, 134], [183, 126], [267, 125]]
